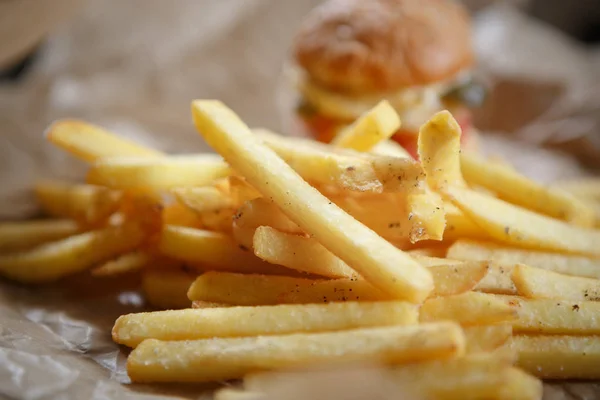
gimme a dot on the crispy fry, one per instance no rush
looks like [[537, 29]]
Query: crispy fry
[[506, 256], [469, 308], [485, 338], [439, 151], [375, 259], [298, 252], [399, 174], [511, 224], [191, 324], [15, 236], [372, 127], [205, 360], [125, 263], [517, 189], [554, 317], [458, 278], [88, 204], [212, 250], [558, 357], [55, 260], [204, 199], [90, 142], [539, 283], [167, 288], [426, 215], [157, 173]]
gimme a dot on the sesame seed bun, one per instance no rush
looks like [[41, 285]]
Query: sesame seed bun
[[360, 46]]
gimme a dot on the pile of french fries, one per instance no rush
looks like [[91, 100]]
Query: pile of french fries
[[463, 277]]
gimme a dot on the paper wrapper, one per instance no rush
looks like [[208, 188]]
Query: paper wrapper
[[133, 67]]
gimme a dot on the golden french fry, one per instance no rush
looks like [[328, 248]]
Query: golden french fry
[[298, 252], [90, 142], [485, 338], [192, 324], [562, 263], [454, 279], [88, 204], [459, 226], [177, 214], [55, 260], [471, 308], [374, 126], [125, 263], [252, 290], [375, 259], [557, 356], [389, 148], [167, 288], [212, 250], [157, 173], [439, 151], [261, 212], [539, 283], [205, 359], [15, 236], [426, 215], [511, 224], [517, 189], [241, 191], [204, 199], [218, 221], [554, 317]]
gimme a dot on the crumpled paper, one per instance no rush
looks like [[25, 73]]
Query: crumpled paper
[[133, 67]]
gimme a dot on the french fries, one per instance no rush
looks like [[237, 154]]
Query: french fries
[[539, 283], [157, 173], [485, 338], [260, 212], [90, 143], [376, 125], [167, 288], [128, 262], [558, 357], [205, 359], [16, 236], [204, 199], [87, 204], [191, 324], [562, 263], [523, 228], [552, 317], [376, 260], [55, 260], [211, 249], [518, 189], [470, 308]]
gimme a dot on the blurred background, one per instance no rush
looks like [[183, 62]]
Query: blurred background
[[134, 65]]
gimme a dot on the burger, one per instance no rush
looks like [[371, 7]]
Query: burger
[[417, 54]]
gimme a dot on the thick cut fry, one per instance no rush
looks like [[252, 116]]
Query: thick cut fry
[[55, 260], [252, 290], [167, 288], [469, 308], [204, 199], [485, 338], [439, 151], [511, 224], [16, 236], [216, 359], [375, 259], [517, 189], [212, 250], [321, 166], [90, 142], [538, 283], [298, 252], [191, 324], [459, 226], [261, 212], [88, 204], [558, 357], [125, 263], [506, 256], [374, 126], [555, 317], [157, 173]]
